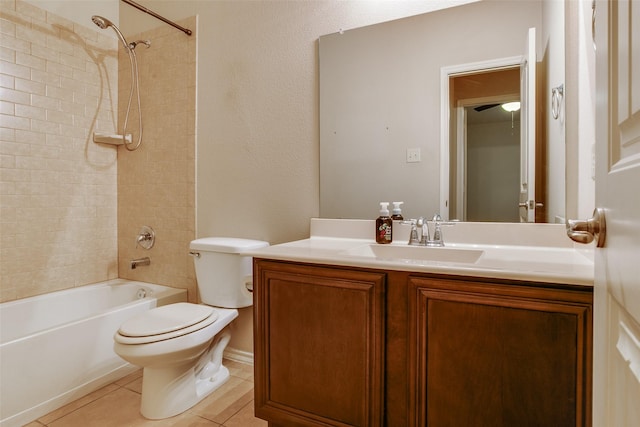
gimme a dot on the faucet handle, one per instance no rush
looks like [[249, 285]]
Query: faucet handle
[[437, 235], [437, 232], [413, 234], [146, 237]]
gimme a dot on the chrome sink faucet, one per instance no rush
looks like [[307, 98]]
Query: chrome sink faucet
[[419, 234], [424, 235]]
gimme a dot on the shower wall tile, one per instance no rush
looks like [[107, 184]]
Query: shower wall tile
[[156, 183], [58, 190]]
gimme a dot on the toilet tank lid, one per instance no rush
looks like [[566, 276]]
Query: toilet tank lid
[[229, 245]]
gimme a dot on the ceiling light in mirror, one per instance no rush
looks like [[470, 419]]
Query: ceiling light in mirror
[[511, 106]]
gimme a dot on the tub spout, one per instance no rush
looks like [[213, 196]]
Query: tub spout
[[135, 263]]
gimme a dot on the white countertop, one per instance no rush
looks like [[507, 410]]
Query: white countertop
[[530, 252]]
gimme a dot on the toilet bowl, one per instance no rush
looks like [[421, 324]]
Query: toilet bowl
[[180, 346]]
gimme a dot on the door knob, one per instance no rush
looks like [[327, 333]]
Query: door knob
[[585, 231]]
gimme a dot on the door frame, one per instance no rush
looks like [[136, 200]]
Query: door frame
[[446, 73]]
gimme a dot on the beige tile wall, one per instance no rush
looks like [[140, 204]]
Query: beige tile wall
[[156, 183], [58, 189], [70, 209]]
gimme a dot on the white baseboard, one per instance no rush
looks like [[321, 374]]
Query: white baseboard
[[238, 355]]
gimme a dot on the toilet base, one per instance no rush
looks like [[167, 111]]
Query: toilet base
[[169, 391]]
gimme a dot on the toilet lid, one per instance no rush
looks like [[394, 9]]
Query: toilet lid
[[167, 319]]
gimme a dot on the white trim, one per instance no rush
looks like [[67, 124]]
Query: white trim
[[461, 163], [445, 74], [238, 355], [528, 120]]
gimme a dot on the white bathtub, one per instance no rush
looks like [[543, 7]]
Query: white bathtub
[[58, 347]]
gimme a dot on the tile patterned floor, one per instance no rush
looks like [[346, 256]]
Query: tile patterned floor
[[118, 405]]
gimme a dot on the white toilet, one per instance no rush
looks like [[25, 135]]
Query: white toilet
[[180, 345]]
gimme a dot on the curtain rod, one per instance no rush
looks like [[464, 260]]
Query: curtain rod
[[155, 15]]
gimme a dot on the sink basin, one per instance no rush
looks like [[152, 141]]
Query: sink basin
[[416, 253]]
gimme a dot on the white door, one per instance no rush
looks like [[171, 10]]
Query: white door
[[528, 130], [616, 384]]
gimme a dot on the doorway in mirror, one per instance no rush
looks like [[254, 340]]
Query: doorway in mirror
[[485, 146]]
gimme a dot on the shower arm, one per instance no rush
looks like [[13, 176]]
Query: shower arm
[[155, 15]]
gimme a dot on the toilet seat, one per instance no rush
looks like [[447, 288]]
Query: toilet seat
[[166, 322]]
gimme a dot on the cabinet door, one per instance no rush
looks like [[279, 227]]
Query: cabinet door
[[319, 351], [498, 355]]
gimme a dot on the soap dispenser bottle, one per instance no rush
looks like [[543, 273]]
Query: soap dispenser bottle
[[384, 225], [397, 211]]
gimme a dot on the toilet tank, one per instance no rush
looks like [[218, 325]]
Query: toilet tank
[[223, 272]]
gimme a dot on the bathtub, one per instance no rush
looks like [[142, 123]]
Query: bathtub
[[58, 347]]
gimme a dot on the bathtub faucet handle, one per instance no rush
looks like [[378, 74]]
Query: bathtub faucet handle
[[146, 237]]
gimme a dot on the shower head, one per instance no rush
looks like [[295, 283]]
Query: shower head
[[101, 22], [104, 23]]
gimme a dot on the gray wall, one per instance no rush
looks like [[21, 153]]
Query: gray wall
[[385, 98]]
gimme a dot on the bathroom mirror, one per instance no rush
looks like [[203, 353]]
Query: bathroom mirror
[[380, 103]]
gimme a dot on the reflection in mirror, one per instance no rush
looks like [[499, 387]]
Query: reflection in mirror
[[485, 146], [491, 160], [380, 107]]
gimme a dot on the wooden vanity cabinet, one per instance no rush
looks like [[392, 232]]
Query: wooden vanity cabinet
[[498, 354], [340, 346], [318, 345]]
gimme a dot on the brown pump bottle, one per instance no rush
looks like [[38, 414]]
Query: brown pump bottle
[[384, 225]]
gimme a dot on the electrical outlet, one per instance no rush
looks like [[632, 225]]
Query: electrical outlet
[[413, 155]]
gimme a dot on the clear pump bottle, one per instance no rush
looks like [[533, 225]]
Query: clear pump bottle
[[384, 225], [397, 211]]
